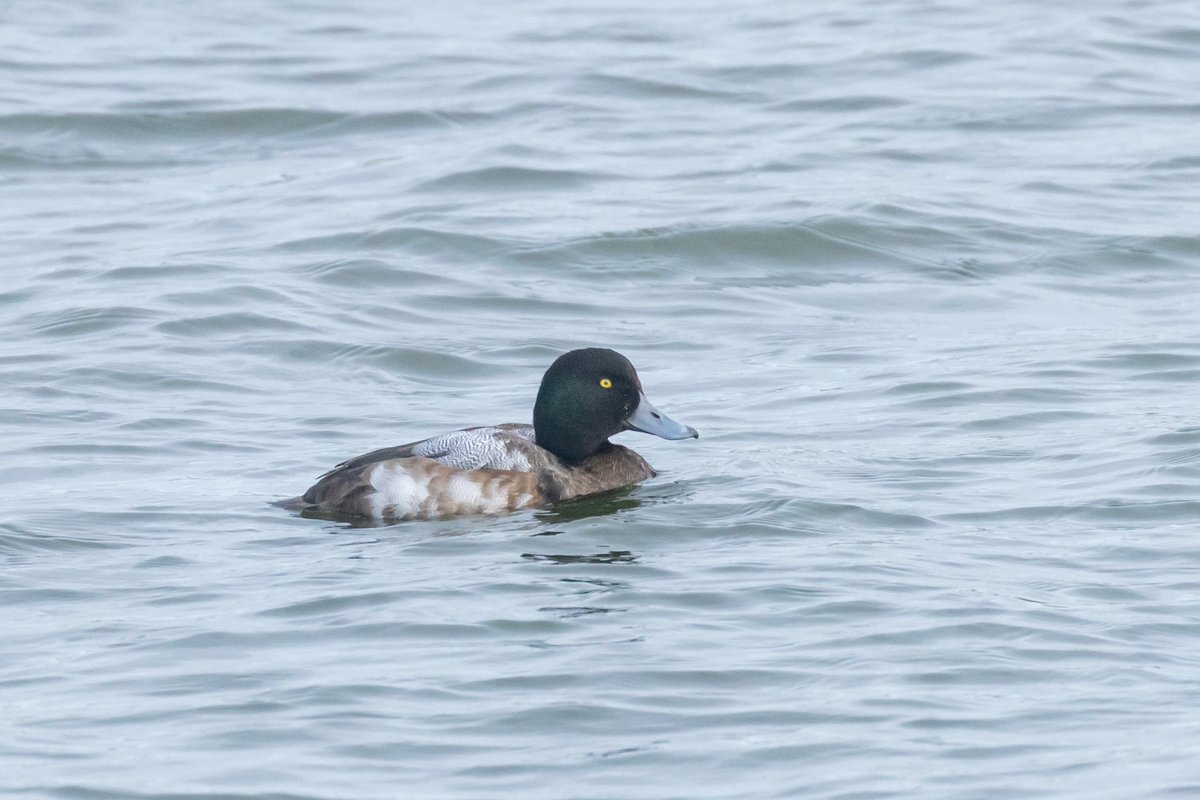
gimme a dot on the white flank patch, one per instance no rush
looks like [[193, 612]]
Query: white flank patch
[[469, 493], [395, 486]]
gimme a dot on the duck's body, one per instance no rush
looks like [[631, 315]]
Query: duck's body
[[586, 396], [492, 470]]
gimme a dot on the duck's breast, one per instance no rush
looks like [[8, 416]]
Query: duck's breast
[[613, 467]]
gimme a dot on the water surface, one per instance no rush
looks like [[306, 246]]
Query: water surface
[[922, 274]]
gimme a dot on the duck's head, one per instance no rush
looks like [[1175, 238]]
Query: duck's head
[[590, 394]]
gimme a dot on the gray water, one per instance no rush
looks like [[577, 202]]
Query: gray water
[[924, 276]]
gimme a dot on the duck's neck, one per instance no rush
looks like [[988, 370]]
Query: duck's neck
[[569, 443], [563, 426]]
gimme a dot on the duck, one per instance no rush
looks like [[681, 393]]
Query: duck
[[585, 397]]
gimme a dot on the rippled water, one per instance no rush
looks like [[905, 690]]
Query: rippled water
[[923, 275]]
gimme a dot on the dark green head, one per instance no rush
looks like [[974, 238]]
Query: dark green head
[[587, 396]]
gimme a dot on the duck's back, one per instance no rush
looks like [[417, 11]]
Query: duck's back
[[508, 446]]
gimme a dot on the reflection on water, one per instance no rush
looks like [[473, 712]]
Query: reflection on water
[[597, 505], [568, 612], [611, 557]]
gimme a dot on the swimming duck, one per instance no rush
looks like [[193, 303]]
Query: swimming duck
[[586, 396]]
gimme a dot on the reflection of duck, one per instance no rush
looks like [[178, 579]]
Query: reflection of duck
[[586, 396]]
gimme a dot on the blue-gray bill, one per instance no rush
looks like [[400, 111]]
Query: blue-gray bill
[[648, 419]]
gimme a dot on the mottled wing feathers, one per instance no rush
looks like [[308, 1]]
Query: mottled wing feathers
[[500, 447], [476, 470]]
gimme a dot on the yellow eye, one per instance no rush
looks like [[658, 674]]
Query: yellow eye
[[605, 383]]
